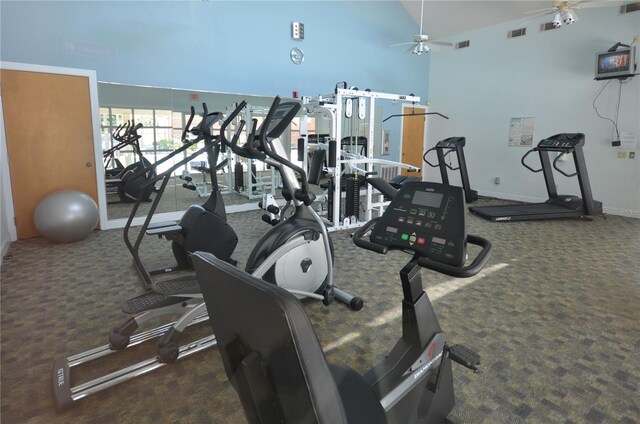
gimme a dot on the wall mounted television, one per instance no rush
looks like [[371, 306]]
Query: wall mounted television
[[616, 64]]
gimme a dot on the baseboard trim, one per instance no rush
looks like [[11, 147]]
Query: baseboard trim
[[628, 212], [5, 248]]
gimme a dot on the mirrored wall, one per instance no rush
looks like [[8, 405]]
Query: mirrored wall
[[145, 124]]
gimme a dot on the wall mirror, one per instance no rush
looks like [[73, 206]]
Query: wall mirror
[[158, 116]]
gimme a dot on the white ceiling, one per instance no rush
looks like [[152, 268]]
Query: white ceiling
[[444, 18]]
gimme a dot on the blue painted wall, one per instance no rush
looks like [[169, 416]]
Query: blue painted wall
[[230, 46]]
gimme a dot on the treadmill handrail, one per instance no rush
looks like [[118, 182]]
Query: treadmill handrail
[[424, 157], [446, 164], [555, 166], [527, 166]]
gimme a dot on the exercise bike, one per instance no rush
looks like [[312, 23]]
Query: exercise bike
[[272, 356]]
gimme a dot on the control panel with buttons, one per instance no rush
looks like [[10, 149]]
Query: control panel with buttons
[[428, 218], [562, 141]]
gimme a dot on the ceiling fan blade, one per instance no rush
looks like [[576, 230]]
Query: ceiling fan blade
[[434, 48], [591, 4], [441, 43], [545, 10], [533, 18], [402, 44]]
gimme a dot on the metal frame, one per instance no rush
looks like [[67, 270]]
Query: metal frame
[[333, 104]]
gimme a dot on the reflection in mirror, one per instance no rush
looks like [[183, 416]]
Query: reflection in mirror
[[148, 111], [161, 115]]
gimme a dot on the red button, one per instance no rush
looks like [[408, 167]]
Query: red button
[[420, 240]]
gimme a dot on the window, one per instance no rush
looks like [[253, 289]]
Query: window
[[158, 134]]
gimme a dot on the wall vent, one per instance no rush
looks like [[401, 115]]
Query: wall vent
[[463, 44], [548, 26], [517, 32], [630, 7]]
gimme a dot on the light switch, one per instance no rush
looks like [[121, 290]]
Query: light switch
[[297, 31]]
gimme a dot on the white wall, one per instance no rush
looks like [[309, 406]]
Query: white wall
[[549, 76]]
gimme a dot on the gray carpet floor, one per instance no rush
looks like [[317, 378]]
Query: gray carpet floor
[[554, 314]]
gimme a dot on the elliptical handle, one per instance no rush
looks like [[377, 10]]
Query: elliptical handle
[[183, 138], [264, 139], [360, 241], [230, 118], [467, 271], [236, 136]]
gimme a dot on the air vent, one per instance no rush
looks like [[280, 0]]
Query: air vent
[[463, 44], [548, 26], [517, 33], [630, 7]]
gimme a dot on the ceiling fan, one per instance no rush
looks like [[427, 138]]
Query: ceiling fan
[[563, 11], [421, 43]]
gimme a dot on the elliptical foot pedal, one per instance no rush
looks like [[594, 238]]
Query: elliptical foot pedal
[[464, 356], [187, 285], [147, 301]]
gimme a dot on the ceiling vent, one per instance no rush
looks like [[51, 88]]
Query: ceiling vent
[[517, 33], [548, 26], [630, 7], [463, 44]]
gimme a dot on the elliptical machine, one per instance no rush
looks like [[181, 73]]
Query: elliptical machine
[[285, 378], [130, 182], [295, 244], [305, 266]]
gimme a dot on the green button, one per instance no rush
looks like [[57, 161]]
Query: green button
[[405, 237]]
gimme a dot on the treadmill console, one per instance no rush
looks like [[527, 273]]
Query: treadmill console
[[562, 141], [451, 143], [427, 218]]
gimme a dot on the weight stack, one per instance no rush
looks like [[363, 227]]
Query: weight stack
[[238, 173], [352, 201], [254, 172]]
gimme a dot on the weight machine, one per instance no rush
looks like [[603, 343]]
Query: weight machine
[[354, 104]]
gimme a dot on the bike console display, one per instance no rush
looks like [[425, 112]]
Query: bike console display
[[427, 218]]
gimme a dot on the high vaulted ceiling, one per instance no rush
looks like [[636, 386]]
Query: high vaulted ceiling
[[444, 18]]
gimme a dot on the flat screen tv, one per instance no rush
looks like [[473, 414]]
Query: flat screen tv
[[616, 64]]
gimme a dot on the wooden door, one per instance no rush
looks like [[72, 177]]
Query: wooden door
[[412, 139], [49, 136]]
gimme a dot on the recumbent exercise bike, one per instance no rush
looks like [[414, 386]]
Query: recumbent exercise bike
[[272, 356]]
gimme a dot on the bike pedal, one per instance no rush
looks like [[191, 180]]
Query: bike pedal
[[465, 357]]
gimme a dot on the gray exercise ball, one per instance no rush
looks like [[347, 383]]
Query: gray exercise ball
[[66, 216]]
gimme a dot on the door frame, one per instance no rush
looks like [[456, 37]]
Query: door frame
[[97, 143], [424, 135]]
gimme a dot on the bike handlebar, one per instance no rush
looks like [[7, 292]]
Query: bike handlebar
[[462, 272]]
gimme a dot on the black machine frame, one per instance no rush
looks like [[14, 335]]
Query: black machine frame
[[452, 144], [557, 206]]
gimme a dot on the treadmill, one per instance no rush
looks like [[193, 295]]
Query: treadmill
[[444, 148], [558, 206]]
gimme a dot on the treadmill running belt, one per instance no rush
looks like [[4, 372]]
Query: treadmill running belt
[[520, 209]]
